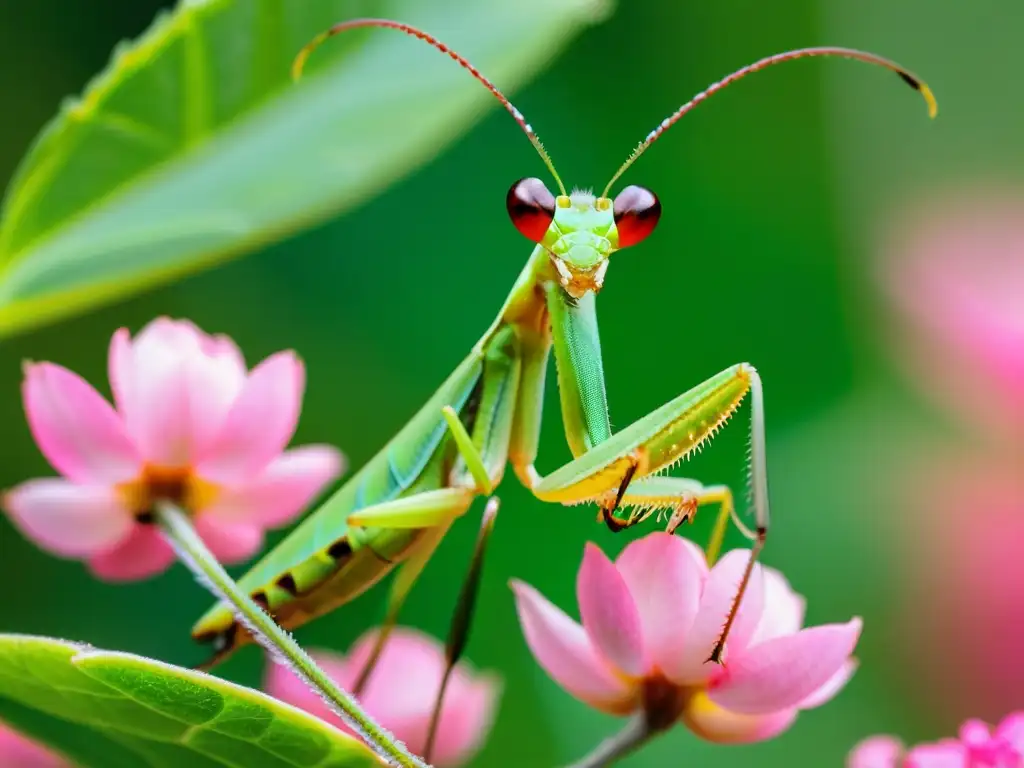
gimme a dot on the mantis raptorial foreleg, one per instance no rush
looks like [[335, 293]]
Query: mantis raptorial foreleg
[[618, 470], [681, 497]]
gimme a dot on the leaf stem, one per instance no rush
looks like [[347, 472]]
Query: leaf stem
[[177, 528], [636, 733]]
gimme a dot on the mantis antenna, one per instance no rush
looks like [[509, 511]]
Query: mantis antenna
[[847, 53], [408, 29]]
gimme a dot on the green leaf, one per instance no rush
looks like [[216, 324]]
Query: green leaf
[[193, 146], [125, 711]]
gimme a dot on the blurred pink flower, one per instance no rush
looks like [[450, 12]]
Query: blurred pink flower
[[964, 515], [650, 621], [401, 691], [191, 426], [955, 274], [17, 751], [977, 747]]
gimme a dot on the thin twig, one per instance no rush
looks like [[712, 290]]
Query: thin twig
[[177, 529], [636, 733]]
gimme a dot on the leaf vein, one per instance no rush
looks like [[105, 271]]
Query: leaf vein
[[195, 82]]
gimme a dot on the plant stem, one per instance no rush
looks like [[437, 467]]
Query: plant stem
[[177, 528], [636, 732]]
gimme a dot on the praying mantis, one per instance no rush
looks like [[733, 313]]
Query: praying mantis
[[487, 414]]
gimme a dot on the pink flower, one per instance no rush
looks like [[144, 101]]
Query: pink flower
[[955, 274], [401, 691], [961, 595], [17, 751], [191, 426], [650, 621], [977, 747]]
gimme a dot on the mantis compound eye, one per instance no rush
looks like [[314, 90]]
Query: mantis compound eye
[[637, 211], [531, 207]]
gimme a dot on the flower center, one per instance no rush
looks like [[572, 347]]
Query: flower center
[[177, 485], [663, 701]]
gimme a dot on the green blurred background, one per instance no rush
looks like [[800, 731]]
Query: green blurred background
[[773, 194]]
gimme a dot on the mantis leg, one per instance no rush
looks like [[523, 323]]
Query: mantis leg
[[681, 497], [462, 618], [433, 510], [400, 589], [420, 510], [606, 473]]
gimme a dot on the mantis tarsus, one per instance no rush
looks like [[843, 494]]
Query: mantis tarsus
[[487, 414]]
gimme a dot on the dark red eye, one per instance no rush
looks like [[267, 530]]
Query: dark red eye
[[637, 211], [531, 208]]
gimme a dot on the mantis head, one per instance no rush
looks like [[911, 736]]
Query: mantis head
[[580, 231]]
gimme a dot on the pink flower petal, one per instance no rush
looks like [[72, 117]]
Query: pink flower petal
[[221, 346], [17, 751], [713, 723], [155, 394], [466, 719], [562, 648], [945, 754], [121, 368], [282, 490], [1011, 730], [987, 749], [178, 338], [665, 575], [68, 519], [230, 542], [719, 592], [143, 554], [876, 752], [781, 672], [832, 686], [76, 429], [260, 423], [609, 614], [214, 379], [407, 674], [783, 608], [175, 386], [402, 688], [975, 733]]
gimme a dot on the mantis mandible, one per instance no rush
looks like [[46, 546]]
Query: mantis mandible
[[487, 414]]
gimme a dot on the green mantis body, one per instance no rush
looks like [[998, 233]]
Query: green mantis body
[[487, 414]]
